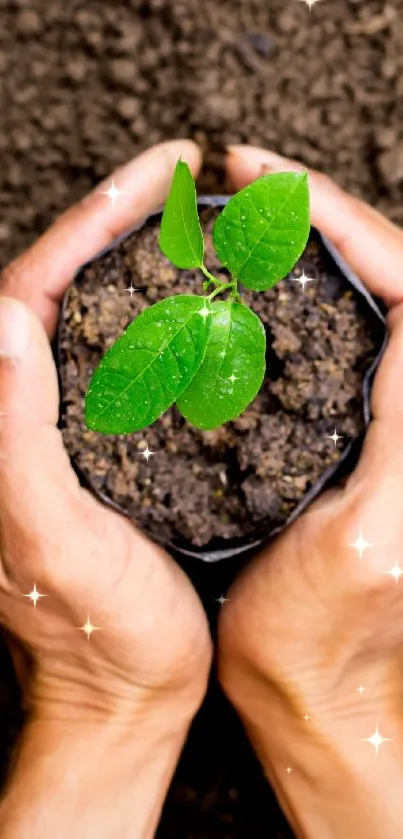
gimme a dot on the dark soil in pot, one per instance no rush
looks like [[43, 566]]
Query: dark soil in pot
[[245, 478]]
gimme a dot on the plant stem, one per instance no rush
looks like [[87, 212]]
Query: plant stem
[[210, 276], [218, 290], [233, 284], [235, 296]]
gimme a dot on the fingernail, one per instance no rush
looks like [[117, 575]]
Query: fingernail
[[14, 328]]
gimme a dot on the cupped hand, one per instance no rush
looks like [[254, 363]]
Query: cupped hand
[[151, 647], [311, 639]]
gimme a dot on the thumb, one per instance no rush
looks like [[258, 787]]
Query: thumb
[[381, 463], [34, 467]]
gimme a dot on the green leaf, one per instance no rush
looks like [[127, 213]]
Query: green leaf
[[232, 370], [181, 238], [264, 228], [149, 366]]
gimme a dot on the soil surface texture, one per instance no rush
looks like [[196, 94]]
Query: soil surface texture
[[247, 476], [86, 85]]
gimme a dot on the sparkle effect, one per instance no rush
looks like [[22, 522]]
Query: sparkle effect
[[310, 3], [114, 193], [303, 280], [361, 689], [395, 572], [306, 717], [360, 544], [88, 628], [147, 453], [204, 312], [34, 595], [232, 378], [335, 437], [131, 290], [289, 770], [222, 600], [376, 740]]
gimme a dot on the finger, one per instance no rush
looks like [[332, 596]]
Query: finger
[[387, 391], [36, 480], [371, 244], [40, 276], [43, 510]]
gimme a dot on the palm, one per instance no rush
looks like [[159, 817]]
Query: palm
[[94, 567]]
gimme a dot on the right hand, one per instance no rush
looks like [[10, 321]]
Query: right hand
[[308, 621]]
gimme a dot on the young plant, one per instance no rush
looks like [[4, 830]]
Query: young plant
[[205, 355]]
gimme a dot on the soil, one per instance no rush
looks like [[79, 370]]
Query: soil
[[246, 477], [84, 86]]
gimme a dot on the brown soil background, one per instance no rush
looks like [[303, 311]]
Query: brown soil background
[[84, 86]]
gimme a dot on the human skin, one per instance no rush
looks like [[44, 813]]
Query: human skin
[[108, 714], [310, 642]]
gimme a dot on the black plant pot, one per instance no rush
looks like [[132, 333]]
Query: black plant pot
[[239, 551]]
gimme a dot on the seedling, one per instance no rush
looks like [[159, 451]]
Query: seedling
[[203, 354]]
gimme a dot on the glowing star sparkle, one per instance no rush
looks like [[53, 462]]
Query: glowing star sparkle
[[360, 690], [302, 280], [335, 437], [376, 740], [360, 544], [131, 289], [310, 3], [222, 600], [395, 572], [34, 595], [232, 378], [306, 717], [289, 770], [147, 453], [204, 312], [114, 193], [88, 628]]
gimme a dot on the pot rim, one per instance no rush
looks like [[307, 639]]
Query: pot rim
[[243, 545]]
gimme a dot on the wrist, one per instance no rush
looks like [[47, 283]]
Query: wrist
[[328, 778], [336, 788], [67, 697], [91, 779]]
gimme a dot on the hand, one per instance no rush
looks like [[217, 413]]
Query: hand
[[309, 622], [145, 669]]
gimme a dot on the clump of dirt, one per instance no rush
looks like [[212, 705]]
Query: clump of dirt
[[247, 476]]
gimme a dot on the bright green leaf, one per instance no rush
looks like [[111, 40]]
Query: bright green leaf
[[181, 238], [263, 230], [149, 366], [232, 371]]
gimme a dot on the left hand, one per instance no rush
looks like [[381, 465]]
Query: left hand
[[142, 675]]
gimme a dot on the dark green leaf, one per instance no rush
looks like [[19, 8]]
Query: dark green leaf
[[232, 371], [149, 366], [181, 238], [264, 228]]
